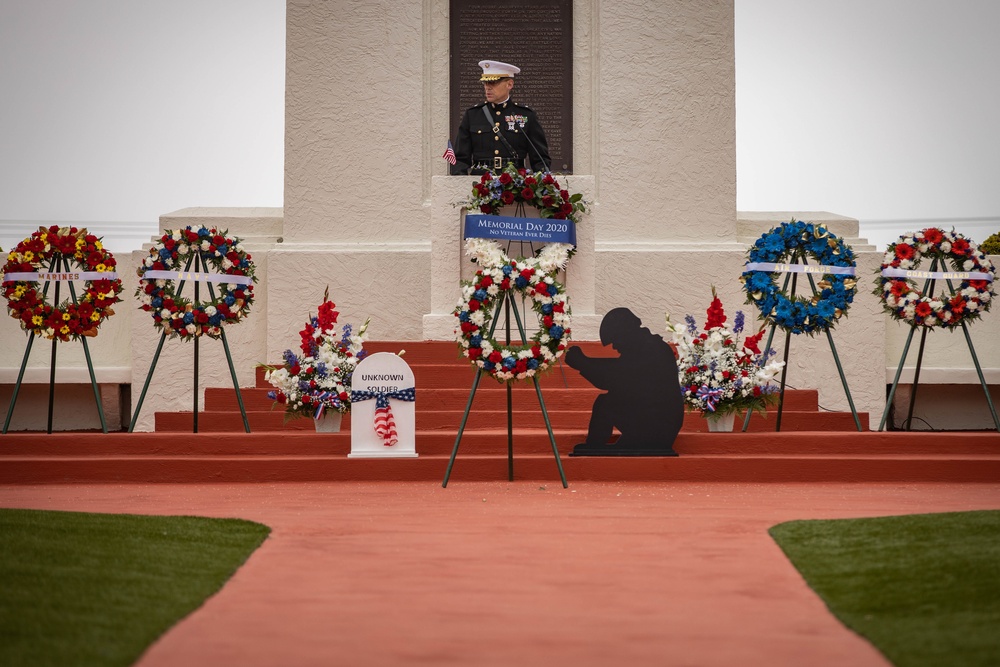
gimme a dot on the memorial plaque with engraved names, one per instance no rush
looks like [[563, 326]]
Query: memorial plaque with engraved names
[[535, 35]]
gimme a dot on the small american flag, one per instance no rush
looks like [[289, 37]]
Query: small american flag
[[449, 154]]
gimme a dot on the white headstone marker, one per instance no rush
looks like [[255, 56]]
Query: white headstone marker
[[384, 376]]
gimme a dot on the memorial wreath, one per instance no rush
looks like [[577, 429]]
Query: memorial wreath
[[538, 189], [896, 287], [27, 265], [175, 315], [773, 253], [506, 363]]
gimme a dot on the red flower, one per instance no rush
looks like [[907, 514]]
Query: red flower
[[505, 179], [904, 251], [528, 194], [566, 209], [961, 247], [716, 314], [495, 357], [899, 288], [548, 180], [475, 352], [923, 309], [473, 305], [933, 235], [957, 304], [507, 197], [752, 342], [485, 208], [548, 201], [564, 194], [530, 180]]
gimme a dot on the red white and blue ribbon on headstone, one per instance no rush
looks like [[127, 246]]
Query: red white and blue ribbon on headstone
[[385, 425]]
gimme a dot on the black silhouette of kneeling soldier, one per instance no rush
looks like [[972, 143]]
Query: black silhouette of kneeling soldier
[[642, 396]]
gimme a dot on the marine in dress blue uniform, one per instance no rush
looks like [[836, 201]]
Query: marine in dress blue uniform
[[491, 144]]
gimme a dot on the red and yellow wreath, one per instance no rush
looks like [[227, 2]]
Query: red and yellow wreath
[[64, 254]]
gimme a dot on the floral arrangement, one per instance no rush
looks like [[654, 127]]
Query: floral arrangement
[[784, 244], [318, 379], [895, 282], [58, 248], [718, 373], [506, 363], [538, 189], [169, 260]]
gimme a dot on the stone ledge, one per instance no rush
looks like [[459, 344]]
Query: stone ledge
[[930, 375], [72, 375]]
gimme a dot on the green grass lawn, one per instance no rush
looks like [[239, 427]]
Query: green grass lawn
[[98, 589], [924, 589]]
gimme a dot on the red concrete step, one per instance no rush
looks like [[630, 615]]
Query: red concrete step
[[527, 441], [449, 420], [459, 373], [490, 395], [470, 468]]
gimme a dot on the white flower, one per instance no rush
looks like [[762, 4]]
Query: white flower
[[205, 245], [165, 314], [191, 328]]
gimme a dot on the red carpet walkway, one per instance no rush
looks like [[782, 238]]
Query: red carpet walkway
[[408, 573]]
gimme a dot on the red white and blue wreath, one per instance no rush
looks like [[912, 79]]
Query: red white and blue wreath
[[179, 316], [500, 275], [958, 259], [770, 257]]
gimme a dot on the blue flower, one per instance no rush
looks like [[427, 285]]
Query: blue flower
[[520, 282], [479, 295], [738, 322], [476, 341], [532, 363], [507, 269], [552, 290], [273, 395], [509, 362], [157, 302], [188, 318], [546, 308], [556, 331], [692, 326]]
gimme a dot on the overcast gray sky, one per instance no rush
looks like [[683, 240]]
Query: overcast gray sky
[[122, 110]]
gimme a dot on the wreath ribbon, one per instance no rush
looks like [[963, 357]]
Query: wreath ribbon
[[890, 272], [196, 275], [385, 425], [57, 276], [773, 267]]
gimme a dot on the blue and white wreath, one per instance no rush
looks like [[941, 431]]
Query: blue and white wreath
[[772, 255]]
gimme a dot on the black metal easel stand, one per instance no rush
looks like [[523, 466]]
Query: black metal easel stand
[[799, 257], [59, 264], [929, 286], [197, 260], [505, 301]]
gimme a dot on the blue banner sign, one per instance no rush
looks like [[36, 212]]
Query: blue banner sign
[[506, 228]]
